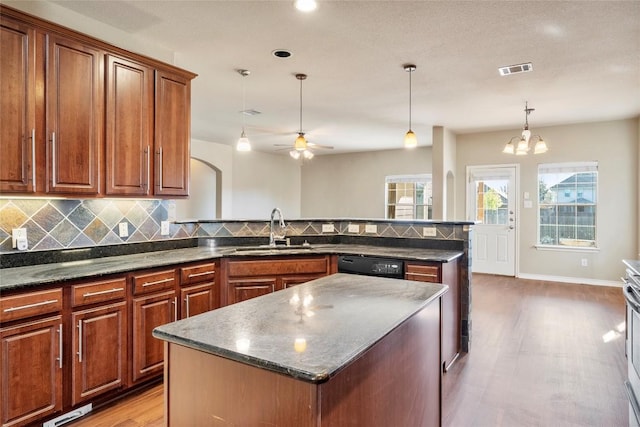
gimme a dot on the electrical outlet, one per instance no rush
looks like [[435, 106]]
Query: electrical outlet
[[123, 229], [19, 238], [371, 228], [429, 231], [164, 228], [354, 228], [328, 228], [584, 262]]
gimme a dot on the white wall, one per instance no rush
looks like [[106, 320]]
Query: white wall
[[614, 145], [352, 185], [203, 188], [262, 182], [219, 156]]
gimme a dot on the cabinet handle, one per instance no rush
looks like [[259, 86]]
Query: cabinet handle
[[24, 307], [204, 273], [157, 282], [175, 308], [33, 158], [108, 291], [186, 300], [53, 158], [160, 166], [59, 359], [422, 274], [80, 341], [146, 154]]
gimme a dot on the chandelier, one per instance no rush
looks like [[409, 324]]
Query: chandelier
[[525, 139]]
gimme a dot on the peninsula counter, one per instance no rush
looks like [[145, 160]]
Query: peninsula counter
[[342, 350]]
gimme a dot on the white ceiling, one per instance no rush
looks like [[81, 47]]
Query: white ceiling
[[585, 55]]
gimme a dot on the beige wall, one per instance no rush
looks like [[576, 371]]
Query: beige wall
[[614, 145], [352, 185], [444, 173]]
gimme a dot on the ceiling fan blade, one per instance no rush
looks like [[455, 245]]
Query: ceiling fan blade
[[324, 147]]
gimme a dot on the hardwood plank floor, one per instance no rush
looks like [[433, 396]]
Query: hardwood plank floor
[[538, 358]]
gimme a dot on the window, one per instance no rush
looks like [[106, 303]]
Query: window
[[565, 220], [408, 197]]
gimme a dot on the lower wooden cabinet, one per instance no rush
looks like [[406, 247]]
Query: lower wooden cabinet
[[31, 371], [199, 291], [445, 273], [246, 288]]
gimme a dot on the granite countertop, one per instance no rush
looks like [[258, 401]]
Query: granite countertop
[[34, 275], [309, 331], [634, 265]]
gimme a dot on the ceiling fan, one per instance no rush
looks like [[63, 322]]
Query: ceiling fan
[[302, 147]]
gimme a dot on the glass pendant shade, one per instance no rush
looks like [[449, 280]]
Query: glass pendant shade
[[301, 143], [508, 149], [410, 140], [540, 147], [243, 143], [307, 154], [295, 154]]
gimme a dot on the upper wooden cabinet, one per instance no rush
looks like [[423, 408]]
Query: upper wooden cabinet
[[17, 104], [78, 115], [172, 134]]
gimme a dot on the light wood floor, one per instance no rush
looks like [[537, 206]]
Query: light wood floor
[[538, 358]]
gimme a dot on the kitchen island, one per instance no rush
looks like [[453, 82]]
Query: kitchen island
[[343, 350]]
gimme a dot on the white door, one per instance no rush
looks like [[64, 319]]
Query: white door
[[491, 203]]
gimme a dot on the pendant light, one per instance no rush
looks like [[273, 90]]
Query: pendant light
[[300, 144], [243, 142], [410, 140], [522, 147]]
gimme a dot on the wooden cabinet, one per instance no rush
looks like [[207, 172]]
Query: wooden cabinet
[[252, 277], [172, 134], [78, 115], [99, 337], [75, 111], [447, 274], [129, 127], [198, 289], [32, 356], [154, 304], [17, 104]]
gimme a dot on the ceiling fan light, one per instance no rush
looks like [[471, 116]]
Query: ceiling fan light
[[295, 154], [410, 140], [243, 143], [540, 147], [306, 5], [301, 142], [307, 154]]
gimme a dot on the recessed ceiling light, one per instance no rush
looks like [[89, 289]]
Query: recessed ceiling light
[[305, 5], [515, 69], [281, 53]]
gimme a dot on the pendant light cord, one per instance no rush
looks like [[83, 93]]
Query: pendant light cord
[[410, 72], [300, 106]]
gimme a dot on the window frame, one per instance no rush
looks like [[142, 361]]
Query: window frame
[[410, 178], [570, 168]]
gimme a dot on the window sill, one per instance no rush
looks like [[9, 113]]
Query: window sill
[[559, 248]]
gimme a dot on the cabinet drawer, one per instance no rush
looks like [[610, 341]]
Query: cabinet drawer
[[30, 304], [422, 273], [105, 290], [153, 282], [197, 273], [269, 267]]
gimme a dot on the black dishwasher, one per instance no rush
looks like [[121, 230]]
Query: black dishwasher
[[371, 266]]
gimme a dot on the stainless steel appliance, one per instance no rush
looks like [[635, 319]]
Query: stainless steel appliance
[[631, 291], [371, 266]]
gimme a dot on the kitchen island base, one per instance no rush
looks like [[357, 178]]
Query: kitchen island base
[[395, 382]]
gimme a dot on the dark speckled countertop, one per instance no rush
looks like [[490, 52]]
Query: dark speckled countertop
[[309, 331], [34, 275]]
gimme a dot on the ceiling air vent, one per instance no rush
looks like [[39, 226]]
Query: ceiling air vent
[[515, 69], [250, 112]]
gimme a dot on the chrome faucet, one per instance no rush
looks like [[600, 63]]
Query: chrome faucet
[[272, 235]]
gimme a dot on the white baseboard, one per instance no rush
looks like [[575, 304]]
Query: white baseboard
[[564, 279]]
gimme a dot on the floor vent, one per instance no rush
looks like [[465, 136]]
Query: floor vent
[[69, 416], [515, 69]]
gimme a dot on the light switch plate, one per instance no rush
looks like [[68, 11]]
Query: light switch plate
[[123, 229], [371, 228], [164, 228], [354, 228], [429, 231], [328, 228]]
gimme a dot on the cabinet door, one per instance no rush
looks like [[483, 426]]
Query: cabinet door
[[198, 299], [172, 134], [148, 313], [289, 281], [99, 350], [75, 109], [17, 104], [129, 127], [31, 371], [243, 289]]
